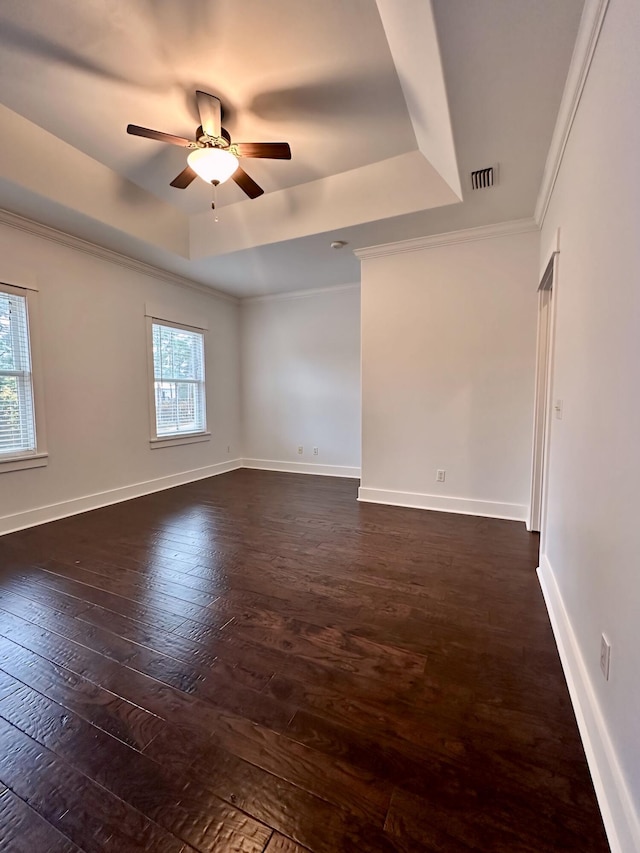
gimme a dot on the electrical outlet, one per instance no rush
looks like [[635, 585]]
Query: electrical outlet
[[228, 448], [300, 449], [557, 408], [315, 451], [440, 475], [605, 656]]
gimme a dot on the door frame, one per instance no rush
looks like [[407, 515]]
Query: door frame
[[547, 299]]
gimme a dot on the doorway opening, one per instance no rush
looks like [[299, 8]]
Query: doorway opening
[[542, 404]]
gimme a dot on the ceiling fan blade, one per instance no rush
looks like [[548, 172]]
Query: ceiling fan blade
[[159, 136], [272, 150], [184, 178], [247, 184], [210, 111]]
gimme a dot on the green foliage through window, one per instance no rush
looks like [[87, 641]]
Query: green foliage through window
[[178, 369], [17, 426]]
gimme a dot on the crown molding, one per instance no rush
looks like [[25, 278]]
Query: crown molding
[[45, 232], [593, 16], [467, 235], [301, 294]]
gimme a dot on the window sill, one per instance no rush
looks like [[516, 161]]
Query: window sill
[[19, 463], [175, 440]]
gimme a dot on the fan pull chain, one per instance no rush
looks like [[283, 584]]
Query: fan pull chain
[[214, 200]]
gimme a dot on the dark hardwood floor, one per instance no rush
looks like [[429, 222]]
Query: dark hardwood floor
[[256, 662]]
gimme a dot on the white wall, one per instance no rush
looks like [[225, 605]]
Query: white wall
[[301, 381], [448, 352], [94, 364], [592, 535]]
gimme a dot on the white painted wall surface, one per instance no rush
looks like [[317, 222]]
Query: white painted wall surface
[[94, 361], [38, 161], [448, 359], [301, 379], [592, 534]]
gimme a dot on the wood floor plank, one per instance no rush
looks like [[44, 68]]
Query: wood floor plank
[[133, 778], [112, 578], [329, 645], [420, 729], [474, 828], [74, 804], [205, 657], [398, 762], [146, 692], [309, 820], [60, 622], [176, 672], [258, 663], [280, 844], [166, 596], [8, 684], [166, 575], [124, 720], [331, 779], [40, 586], [22, 830], [151, 608]]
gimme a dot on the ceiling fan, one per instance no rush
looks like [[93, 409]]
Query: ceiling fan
[[213, 157]]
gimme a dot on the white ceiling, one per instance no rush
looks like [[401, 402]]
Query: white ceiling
[[374, 156]]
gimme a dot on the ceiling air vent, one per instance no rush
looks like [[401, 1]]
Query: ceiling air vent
[[482, 178]]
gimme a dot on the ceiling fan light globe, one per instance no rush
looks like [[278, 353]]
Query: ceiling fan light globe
[[213, 164]]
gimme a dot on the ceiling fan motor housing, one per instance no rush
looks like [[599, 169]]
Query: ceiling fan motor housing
[[225, 136]]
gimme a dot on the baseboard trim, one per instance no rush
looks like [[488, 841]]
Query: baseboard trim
[[53, 512], [302, 468], [438, 503], [621, 820]]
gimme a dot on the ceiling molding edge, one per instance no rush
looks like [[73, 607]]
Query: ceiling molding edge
[[399, 185], [300, 294], [412, 36], [13, 220], [434, 241], [593, 16]]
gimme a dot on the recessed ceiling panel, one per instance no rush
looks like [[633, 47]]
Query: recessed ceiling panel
[[316, 74]]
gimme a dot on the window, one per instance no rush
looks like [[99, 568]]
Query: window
[[179, 401], [18, 434]]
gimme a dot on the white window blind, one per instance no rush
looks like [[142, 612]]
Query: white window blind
[[17, 423], [178, 379]]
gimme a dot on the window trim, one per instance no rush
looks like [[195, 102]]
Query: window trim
[[38, 457], [160, 441]]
